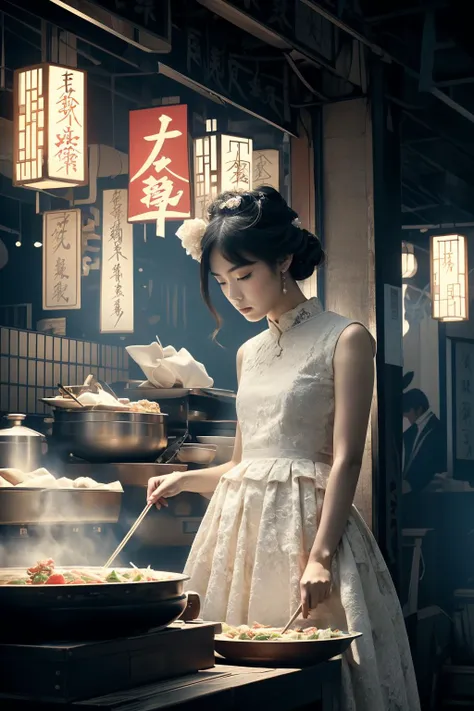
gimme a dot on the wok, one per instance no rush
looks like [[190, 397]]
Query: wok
[[90, 611], [290, 653]]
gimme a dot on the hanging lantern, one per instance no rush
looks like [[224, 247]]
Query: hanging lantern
[[49, 137], [266, 168], [409, 263], [449, 278], [221, 162]]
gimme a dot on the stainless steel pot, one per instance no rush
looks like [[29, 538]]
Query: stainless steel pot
[[106, 436], [20, 447]]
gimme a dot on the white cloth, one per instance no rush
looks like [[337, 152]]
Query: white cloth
[[253, 543], [167, 367]]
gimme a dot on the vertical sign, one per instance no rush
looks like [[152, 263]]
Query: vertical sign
[[62, 265], [116, 277], [50, 138], [159, 187], [266, 168]]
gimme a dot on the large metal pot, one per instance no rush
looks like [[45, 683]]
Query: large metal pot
[[20, 447], [105, 436]]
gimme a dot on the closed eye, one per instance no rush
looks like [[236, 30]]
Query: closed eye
[[244, 278]]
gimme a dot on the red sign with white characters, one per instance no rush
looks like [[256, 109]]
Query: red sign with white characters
[[159, 186]]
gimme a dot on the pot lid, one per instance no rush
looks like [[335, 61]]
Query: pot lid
[[17, 429]]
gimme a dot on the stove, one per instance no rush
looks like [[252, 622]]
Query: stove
[[73, 671]]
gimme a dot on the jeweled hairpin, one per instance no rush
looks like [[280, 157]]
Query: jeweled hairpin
[[231, 203]]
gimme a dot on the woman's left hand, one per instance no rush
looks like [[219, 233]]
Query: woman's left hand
[[315, 585]]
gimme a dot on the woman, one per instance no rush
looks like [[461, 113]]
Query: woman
[[280, 528]]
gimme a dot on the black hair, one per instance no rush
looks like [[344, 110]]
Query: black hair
[[257, 226], [415, 399]]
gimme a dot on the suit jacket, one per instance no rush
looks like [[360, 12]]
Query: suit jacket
[[426, 456]]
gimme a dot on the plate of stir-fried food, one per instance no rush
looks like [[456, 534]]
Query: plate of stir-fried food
[[263, 644], [45, 572]]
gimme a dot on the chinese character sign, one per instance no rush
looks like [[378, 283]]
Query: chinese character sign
[[50, 143], [464, 378], [266, 168], [116, 277], [62, 265], [449, 278], [159, 188]]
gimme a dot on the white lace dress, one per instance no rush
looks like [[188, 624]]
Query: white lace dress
[[253, 543]]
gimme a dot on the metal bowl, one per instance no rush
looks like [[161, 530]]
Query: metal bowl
[[196, 454], [110, 436], [294, 653]]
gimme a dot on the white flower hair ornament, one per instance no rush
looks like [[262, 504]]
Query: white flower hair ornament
[[191, 233]]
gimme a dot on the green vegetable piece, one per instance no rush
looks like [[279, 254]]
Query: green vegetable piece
[[262, 637], [17, 582], [113, 577], [39, 578]]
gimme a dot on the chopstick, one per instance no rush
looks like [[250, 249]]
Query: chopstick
[[292, 619], [63, 390], [128, 536]]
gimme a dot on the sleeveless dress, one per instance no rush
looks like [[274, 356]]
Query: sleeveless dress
[[253, 544]]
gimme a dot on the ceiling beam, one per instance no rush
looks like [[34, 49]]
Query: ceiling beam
[[390, 54]]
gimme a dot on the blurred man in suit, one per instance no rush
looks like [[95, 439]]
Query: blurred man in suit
[[424, 443]]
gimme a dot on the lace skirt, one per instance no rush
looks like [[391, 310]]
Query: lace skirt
[[248, 557]]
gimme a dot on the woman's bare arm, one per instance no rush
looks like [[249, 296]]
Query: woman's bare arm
[[353, 386]]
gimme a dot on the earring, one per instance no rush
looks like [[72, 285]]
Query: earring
[[283, 282]]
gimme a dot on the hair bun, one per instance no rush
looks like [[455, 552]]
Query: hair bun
[[308, 257]]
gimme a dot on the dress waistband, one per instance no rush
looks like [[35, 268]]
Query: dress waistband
[[281, 453]]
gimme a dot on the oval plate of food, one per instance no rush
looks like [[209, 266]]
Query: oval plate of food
[[266, 645]]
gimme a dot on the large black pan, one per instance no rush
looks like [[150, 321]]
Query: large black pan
[[39, 613]]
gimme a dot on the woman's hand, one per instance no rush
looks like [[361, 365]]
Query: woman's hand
[[161, 488], [315, 585]]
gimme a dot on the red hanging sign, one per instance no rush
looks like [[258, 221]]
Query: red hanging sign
[[159, 186]]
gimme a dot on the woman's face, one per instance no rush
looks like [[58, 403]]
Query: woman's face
[[254, 289]]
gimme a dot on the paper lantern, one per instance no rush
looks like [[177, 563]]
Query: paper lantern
[[266, 168], [409, 263], [449, 278], [221, 162], [49, 137]]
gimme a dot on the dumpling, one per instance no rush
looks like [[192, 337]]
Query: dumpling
[[64, 483], [84, 482], [114, 486], [44, 481]]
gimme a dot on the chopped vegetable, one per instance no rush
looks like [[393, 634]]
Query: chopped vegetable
[[44, 573], [56, 579], [263, 633]]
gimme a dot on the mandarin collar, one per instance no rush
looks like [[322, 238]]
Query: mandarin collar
[[303, 312]]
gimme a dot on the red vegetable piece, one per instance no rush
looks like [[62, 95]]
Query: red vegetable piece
[[56, 579]]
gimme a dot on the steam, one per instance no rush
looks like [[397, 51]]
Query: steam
[[81, 545]]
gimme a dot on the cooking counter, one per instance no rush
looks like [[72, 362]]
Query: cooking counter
[[223, 687]]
